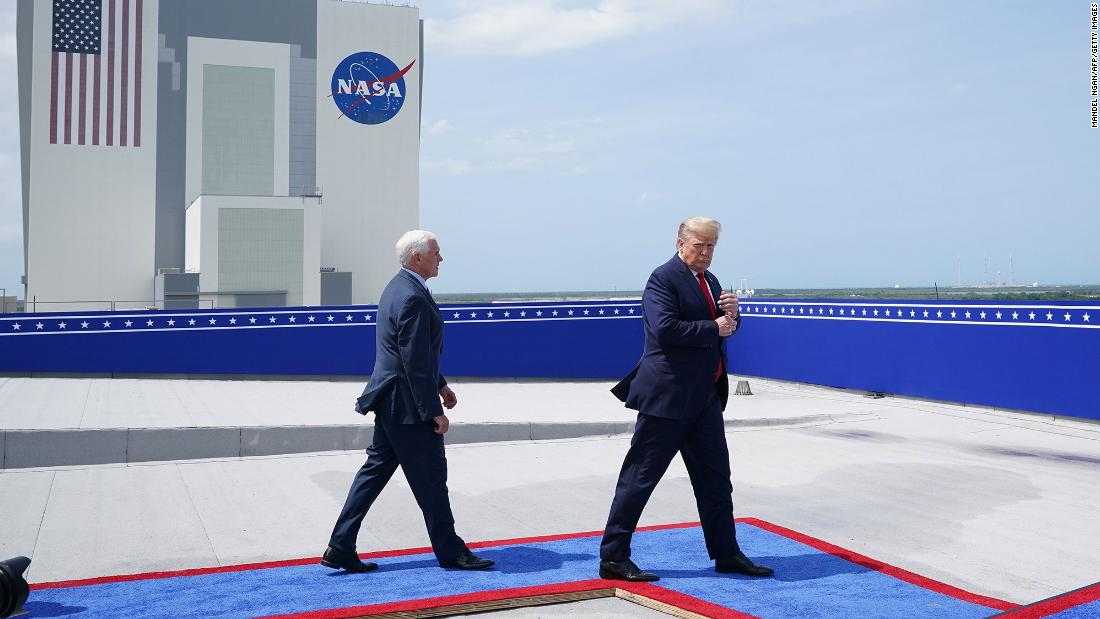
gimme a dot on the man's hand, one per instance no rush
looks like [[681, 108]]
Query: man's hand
[[728, 303], [725, 325], [441, 424], [449, 397]]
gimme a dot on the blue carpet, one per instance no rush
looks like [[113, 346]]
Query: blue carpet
[[808, 583]]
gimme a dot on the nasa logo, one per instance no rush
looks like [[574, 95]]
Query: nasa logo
[[369, 88]]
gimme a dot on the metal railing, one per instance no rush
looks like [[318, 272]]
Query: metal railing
[[109, 305]]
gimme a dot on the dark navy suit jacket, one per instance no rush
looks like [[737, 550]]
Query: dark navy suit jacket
[[675, 377], [404, 386]]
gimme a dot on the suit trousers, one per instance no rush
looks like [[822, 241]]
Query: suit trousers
[[419, 451], [701, 440]]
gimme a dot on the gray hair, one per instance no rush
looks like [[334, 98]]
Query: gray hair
[[700, 225], [413, 241]]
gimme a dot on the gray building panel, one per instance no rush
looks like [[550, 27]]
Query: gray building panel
[[293, 22], [303, 124], [336, 288], [24, 26]]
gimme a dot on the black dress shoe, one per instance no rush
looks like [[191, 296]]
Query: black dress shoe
[[349, 561], [740, 564], [625, 570], [467, 560]]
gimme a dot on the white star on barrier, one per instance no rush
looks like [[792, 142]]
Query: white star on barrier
[[952, 313], [456, 314], [213, 321], [271, 320], [555, 313], [1031, 316], [616, 311], [191, 322], [171, 322], [926, 313], [489, 315], [507, 314], [782, 310], [631, 310], [1085, 317], [601, 311], [1067, 316], [83, 325], [1050, 316], [39, 326], [830, 311], [538, 313], [887, 312], [251, 320], [347, 318], [939, 314], [148, 323], [1015, 315], [16, 326], [570, 312], [367, 317], [865, 311], [523, 314], [876, 312], [998, 315], [585, 312], [913, 313], [473, 314], [61, 325], [311, 318], [982, 315], [232, 321], [967, 314], [129, 323], [329, 317], [292, 319], [107, 324]]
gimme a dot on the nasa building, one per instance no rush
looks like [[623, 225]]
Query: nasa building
[[215, 153]]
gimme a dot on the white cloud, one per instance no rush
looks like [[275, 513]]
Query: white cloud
[[539, 26], [440, 126], [525, 141], [449, 166]]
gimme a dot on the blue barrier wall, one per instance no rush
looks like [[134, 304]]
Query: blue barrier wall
[[1028, 356]]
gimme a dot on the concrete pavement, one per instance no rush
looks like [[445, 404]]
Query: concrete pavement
[[998, 503], [82, 421]]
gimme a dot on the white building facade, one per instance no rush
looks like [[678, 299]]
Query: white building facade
[[300, 117]]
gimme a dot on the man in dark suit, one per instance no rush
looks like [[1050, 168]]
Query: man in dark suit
[[405, 392], [680, 389]]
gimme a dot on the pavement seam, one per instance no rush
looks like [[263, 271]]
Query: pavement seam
[[45, 510], [84, 409], [195, 509]]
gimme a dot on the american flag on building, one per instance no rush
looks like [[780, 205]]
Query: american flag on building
[[95, 70]]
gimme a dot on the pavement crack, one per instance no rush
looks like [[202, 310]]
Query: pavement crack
[[198, 516], [45, 510]]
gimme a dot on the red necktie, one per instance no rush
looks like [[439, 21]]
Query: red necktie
[[713, 314]]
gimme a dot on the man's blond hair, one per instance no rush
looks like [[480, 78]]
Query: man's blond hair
[[704, 226]]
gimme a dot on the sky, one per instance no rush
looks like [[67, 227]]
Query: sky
[[848, 143]]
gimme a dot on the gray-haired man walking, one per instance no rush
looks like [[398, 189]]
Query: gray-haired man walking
[[407, 394]]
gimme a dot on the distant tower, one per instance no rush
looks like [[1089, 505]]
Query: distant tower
[[1011, 271], [985, 268]]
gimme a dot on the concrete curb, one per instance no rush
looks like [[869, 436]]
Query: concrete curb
[[20, 449]]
